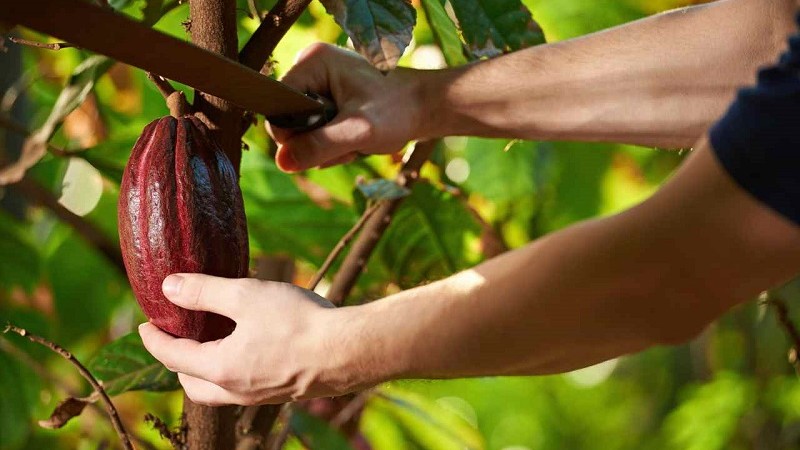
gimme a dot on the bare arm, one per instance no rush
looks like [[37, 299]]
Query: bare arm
[[659, 81], [656, 274]]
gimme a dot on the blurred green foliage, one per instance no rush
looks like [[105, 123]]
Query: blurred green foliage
[[731, 388]]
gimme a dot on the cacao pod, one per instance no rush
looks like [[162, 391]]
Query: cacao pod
[[180, 210]]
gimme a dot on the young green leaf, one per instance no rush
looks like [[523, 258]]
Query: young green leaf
[[125, 365], [494, 27], [382, 189], [445, 32], [380, 29]]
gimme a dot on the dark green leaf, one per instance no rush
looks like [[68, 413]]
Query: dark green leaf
[[382, 189], [20, 262], [493, 27], [282, 219], [14, 409], [428, 239], [125, 365], [380, 29], [426, 422], [445, 32], [499, 170], [317, 433], [86, 288]]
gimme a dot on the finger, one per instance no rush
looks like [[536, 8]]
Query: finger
[[177, 354], [200, 292], [342, 136], [207, 393], [344, 159], [308, 73], [279, 135]]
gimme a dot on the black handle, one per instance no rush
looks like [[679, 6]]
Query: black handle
[[306, 122]]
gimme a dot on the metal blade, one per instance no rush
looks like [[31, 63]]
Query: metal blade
[[132, 43]]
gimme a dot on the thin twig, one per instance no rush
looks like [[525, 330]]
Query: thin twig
[[340, 246], [176, 438], [351, 409], [59, 383], [254, 10], [45, 45], [782, 311], [15, 91], [110, 408], [368, 239], [162, 84], [286, 417]]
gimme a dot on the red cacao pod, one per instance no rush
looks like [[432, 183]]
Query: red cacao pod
[[180, 210]]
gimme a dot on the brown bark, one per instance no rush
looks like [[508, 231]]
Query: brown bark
[[213, 27], [258, 49]]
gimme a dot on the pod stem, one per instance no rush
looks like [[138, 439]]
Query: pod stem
[[177, 104]]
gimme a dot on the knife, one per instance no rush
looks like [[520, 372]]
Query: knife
[[135, 44]]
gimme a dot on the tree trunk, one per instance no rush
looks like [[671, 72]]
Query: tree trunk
[[213, 26]]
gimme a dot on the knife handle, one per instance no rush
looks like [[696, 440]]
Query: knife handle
[[307, 122]]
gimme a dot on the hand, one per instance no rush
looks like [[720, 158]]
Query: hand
[[283, 347], [377, 113]]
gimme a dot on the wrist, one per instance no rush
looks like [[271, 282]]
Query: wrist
[[426, 90]]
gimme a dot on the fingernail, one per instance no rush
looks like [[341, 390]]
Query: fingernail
[[288, 162], [172, 285]]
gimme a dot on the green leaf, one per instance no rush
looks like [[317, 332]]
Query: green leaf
[[498, 174], [14, 409], [428, 239], [494, 27], [382, 189], [20, 262], [427, 422], [125, 365], [86, 288], [80, 83], [316, 432], [282, 219], [445, 32], [380, 29]]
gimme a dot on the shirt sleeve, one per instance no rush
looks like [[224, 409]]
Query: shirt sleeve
[[758, 140]]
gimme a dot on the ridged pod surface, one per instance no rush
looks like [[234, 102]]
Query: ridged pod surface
[[180, 210]]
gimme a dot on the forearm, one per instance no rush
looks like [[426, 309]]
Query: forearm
[[656, 274], [659, 81]]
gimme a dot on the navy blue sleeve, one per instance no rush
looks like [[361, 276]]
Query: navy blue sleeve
[[758, 140]]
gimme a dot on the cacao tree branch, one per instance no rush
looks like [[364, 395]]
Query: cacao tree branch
[[341, 245], [362, 248], [113, 414], [274, 26], [355, 261]]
